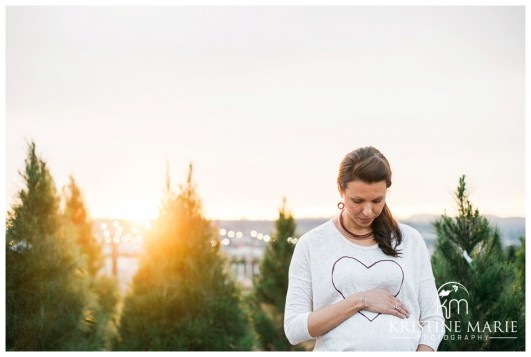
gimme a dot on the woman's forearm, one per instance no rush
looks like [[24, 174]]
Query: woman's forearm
[[327, 318]]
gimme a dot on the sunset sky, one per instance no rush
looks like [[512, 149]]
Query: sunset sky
[[266, 101]]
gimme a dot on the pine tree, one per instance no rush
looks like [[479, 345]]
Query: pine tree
[[105, 288], [468, 251], [520, 263], [76, 214], [268, 297], [183, 297], [519, 287], [47, 301]]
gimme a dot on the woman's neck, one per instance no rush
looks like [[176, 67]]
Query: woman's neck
[[363, 242], [351, 226]]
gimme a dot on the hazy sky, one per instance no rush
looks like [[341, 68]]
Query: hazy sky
[[266, 101]]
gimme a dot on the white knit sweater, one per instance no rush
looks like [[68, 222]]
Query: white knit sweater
[[326, 268]]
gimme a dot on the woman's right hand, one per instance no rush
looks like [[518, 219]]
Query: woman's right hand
[[383, 302]]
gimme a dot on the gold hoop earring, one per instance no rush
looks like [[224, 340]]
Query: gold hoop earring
[[340, 205]]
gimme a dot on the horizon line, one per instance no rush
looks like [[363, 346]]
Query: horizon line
[[487, 215]]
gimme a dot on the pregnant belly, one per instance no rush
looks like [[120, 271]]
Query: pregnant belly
[[384, 333]]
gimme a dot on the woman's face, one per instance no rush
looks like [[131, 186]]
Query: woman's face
[[364, 202]]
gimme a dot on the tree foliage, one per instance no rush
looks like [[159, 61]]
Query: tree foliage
[[105, 288], [520, 264], [268, 297], [468, 251], [75, 214], [183, 298], [48, 304]]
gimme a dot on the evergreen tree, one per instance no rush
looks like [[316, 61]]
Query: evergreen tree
[[268, 297], [105, 288], [76, 214], [47, 301], [468, 251], [183, 297], [520, 263]]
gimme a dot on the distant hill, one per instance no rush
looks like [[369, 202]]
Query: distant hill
[[511, 228], [495, 220]]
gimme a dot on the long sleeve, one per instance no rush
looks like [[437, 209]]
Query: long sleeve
[[326, 267], [299, 297], [431, 316]]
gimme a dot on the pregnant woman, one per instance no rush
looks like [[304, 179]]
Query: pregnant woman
[[362, 281]]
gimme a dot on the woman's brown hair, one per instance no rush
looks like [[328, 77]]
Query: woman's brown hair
[[369, 165]]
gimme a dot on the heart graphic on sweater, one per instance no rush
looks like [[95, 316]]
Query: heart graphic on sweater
[[349, 275]]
